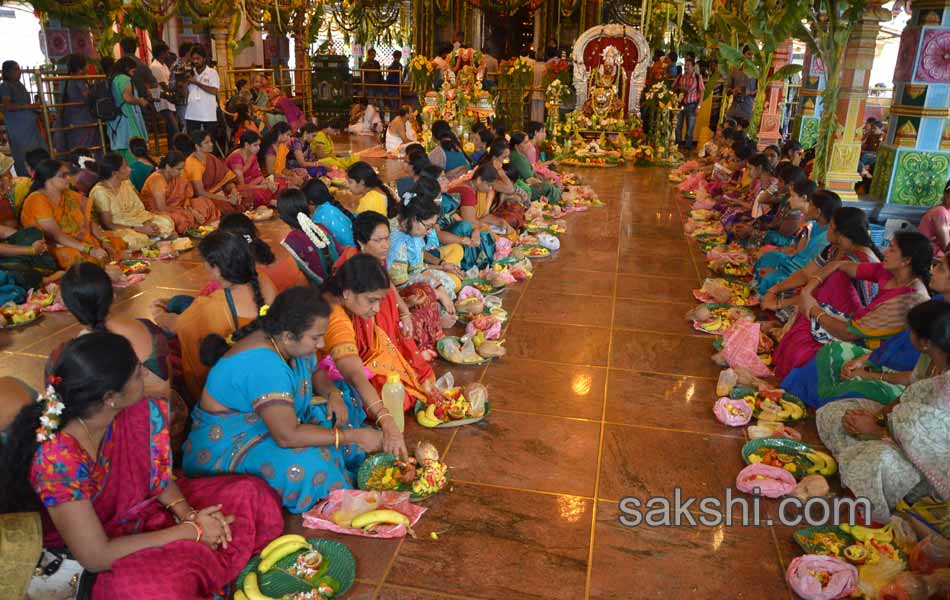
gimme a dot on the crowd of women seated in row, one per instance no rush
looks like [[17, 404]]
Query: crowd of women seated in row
[[232, 375], [863, 333]]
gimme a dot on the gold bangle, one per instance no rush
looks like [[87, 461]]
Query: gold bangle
[[816, 278], [170, 505], [385, 414], [370, 407], [198, 530], [336, 438]]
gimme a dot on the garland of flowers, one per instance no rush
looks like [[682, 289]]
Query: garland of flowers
[[559, 70], [421, 74], [659, 100], [514, 80]]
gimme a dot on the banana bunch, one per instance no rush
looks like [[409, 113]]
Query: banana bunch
[[883, 535], [283, 546], [717, 323], [822, 463], [427, 417], [368, 520]]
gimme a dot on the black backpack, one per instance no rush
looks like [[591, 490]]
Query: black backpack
[[101, 103]]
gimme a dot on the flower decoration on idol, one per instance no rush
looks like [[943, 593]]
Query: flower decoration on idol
[[53, 408]]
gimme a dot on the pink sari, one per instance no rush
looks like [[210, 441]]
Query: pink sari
[[798, 345], [133, 468], [541, 170], [253, 176]]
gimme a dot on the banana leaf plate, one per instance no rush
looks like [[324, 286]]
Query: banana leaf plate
[[384, 459], [483, 285], [742, 391], [11, 325], [541, 251], [789, 451], [808, 540], [277, 582]]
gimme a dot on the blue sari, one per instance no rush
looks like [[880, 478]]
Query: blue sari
[[334, 219], [481, 256], [238, 441], [783, 265]]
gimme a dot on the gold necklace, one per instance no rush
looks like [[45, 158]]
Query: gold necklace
[[276, 349], [88, 436]]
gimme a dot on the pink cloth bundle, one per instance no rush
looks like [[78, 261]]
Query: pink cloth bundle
[[772, 482], [843, 578], [740, 345], [356, 502], [693, 183], [502, 248], [732, 412]]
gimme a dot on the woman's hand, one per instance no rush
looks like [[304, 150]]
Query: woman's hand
[[393, 440], [476, 238], [860, 422], [405, 325], [99, 254], [807, 304], [336, 409], [215, 528], [150, 229], [851, 368], [770, 301], [367, 438], [39, 247]]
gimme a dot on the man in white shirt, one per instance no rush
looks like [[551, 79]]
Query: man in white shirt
[[165, 109], [203, 85]]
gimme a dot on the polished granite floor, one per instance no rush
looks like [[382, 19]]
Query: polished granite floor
[[606, 393]]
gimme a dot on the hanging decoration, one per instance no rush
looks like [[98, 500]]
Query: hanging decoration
[[509, 7]]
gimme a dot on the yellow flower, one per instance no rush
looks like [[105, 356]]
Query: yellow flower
[[263, 311]]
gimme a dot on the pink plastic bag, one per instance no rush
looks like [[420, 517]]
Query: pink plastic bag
[[321, 515], [772, 482], [734, 413], [328, 366], [740, 345], [843, 580], [470, 292], [502, 248]]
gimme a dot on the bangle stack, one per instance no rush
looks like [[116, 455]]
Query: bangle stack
[[198, 530], [336, 438], [385, 414]]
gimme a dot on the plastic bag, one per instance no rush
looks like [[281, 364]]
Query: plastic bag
[[477, 396], [446, 382], [727, 381], [873, 577], [502, 248], [772, 482], [701, 313], [804, 581], [351, 503], [733, 413], [929, 554], [717, 290], [905, 537], [811, 486]]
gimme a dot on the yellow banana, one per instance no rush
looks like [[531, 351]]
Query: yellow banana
[[817, 462], [375, 517], [863, 534], [430, 414], [251, 588], [280, 552], [830, 466], [424, 420], [291, 537], [239, 595]]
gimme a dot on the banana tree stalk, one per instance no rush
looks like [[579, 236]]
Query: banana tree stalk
[[828, 123], [758, 106]]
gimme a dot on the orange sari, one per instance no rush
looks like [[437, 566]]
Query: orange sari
[[181, 205], [214, 174], [73, 216]]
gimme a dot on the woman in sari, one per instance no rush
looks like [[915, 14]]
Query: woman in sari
[[407, 257], [900, 451], [65, 218], [363, 182], [166, 192], [311, 245], [411, 316], [901, 284], [510, 197], [323, 151], [935, 224], [254, 188], [357, 342], [301, 152], [258, 413], [850, 241], [400, 133], [209, 176], [130, 122], [539, 189], [776, 265], [21, 116], [739, 211], [121, 210], [328, 212], [474, 206], [282, 272], [143, 165], [779, 225], [448, 154], [274, 154], [25, 258], [238, 302], [536, 134], [94, 453]]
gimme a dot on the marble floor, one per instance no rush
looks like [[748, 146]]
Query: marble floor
[[606, 393]]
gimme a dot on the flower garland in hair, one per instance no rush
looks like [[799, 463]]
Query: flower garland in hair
[[52, 409], [408, 197], [313, 231]]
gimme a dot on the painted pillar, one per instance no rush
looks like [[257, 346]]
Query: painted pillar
[[770, 129], [220, 36], [805, 127], [914, 162], [302, 67], [855, 77]]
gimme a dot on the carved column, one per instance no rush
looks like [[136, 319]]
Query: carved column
[[805, 126], [855, 77], [302, 66], [914, 162], [770, 131], [220, 37]]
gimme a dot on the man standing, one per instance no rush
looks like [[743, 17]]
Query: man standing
[[690, 88], [161, 72], [371, 75], [203, 85], [394, 75], [743, 88]]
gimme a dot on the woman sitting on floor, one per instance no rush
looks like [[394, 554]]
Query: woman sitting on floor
[[143, 165], [274, 154], [282, 272], [539, 189], [901, 450], [901, 284], [95, 455], [209, 176], [328, 212], [536, 135], [25, 257], [740, 210], [65, 217], [238, 302], [257, 413], [779, 225], [363, 182], [410, 316], [121, 210], [311, 244], [408, 259], [301, 155], [448, 154], [255, 189], [325, 153], [166, 192], [400, 133], [775, 265], [356, 342]]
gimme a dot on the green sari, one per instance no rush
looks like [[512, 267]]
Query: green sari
[[544, 189]]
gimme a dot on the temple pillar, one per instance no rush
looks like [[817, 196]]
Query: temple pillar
[[220, 40], [770, 129], [913, 163], [302, 67], [845, 152], [805, 125]]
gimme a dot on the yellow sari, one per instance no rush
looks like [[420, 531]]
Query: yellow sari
[[128, 212]]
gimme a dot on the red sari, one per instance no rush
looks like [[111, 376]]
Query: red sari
[[253, 176], [123, 485]]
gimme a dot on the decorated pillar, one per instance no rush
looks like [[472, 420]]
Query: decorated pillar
[[590, 13], [302, 63], [855, 76], [770, 130], [914, 162], [220, 37], [805, 127]]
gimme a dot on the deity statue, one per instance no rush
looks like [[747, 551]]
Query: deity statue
[[606, 85]]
